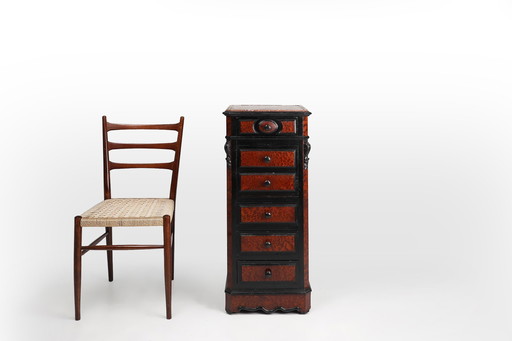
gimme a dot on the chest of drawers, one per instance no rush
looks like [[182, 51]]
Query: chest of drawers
[[267, 208]]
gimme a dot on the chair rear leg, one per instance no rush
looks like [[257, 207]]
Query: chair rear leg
[[77, 265], [109, 255], [167, 265]]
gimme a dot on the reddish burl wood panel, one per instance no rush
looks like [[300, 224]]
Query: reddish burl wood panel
[[267, 158], [247, 127], [267, 243], [267, 182], [267, 214], [268, 273], [288, 127]]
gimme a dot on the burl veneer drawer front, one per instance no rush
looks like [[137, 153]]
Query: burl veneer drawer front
[[268, 273], [267, 243], [267, 182], [267, 158], [268, 126], [267, 214]]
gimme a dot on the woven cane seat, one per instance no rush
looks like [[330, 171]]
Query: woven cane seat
[[128, 212]]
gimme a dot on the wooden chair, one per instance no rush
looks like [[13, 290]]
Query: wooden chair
[[131, 212]]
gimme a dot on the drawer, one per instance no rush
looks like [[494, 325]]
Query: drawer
[[267, 243], [267, 182], [265, 126], [267, 158], [267, 214], [268, 273]]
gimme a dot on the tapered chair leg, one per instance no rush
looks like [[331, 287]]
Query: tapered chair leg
[[167, 265], [173, 244], [109, 255], [77, 265]]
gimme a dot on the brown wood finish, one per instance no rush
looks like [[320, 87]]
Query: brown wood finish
[[122, 247], [77, 265], [268, 303], [95, 242], [268, 273], [168, 223], [267, 158], [115, 145], [168, 264], [106, 171], [267, 243], [116, 165], [174, 185], [110, 256], [267, 214], [247, 127], [267, 182], [118, 126], [288, 127]]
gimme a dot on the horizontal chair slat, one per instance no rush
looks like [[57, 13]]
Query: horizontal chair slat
[[122, 247], [118, 126], [165, 165], [115, 145]]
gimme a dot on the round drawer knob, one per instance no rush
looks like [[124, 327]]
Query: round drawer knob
[[268, 273], [267, 158], [268, 126], [267, 183], [268, 215], [268, 244]]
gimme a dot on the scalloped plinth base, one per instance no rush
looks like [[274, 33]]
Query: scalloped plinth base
[[300, 303]]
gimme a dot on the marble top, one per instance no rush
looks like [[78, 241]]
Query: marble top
[[249, 109]]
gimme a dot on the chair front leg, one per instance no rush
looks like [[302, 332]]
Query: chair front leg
[[77, 265], [109, 255], [167, 264], [173, 243]]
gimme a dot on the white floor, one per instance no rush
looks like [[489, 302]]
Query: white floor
[[355, 297]]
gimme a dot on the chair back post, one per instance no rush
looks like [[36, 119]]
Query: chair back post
[[106, 171], [176, 166]]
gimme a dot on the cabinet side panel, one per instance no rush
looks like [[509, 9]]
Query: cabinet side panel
[[305, 210], [229, 186], [305, 229]]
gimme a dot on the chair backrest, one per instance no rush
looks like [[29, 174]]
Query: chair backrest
[[108, 146]]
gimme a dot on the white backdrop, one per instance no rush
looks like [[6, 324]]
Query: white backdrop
[[410, 168]]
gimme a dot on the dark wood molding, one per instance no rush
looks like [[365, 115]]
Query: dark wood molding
[[300, 303]]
